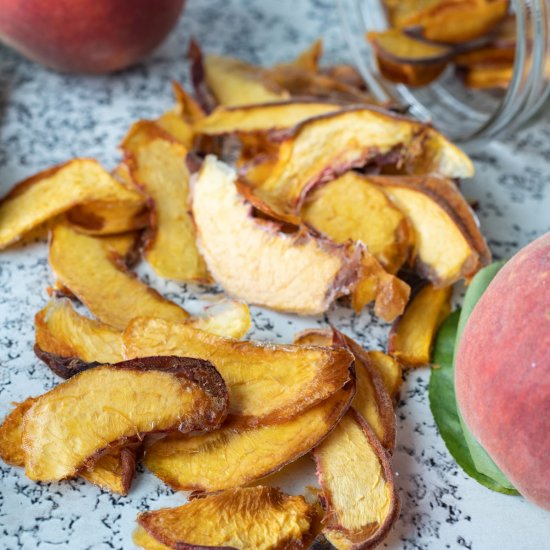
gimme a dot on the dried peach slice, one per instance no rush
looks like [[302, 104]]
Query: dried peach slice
[[54, 191], [114, 471], [486, 55], [456, 21], [157, 166], [254, 260], [69, 342], [399, 47], [267, 383], [389, 293], [232, 456], [359, 495], [62, 332], [411, 74], [412, 335], [178, 122], [372, 400], [441, 156], [352, 208], [115, 296], [448, 242], [322, 148], [263, 518], [262, 117], [389, 369], [493, 75], [234, 82], [71, 426]]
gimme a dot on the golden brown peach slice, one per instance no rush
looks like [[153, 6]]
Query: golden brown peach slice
[[263, 518], [83, 265], [69, 342], [113, 471], [234, 82], [372, 399], [359, 495], [262, 117], [233, 456], [412, 335], [157, 166], [352, 208], [320, 149], [54, 191], [448, 242], [69, 427], [267, 383]]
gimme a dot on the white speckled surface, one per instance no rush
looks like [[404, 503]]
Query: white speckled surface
[[46, 118]]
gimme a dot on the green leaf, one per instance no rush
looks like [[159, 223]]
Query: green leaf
[[444, 407], [484, 464]]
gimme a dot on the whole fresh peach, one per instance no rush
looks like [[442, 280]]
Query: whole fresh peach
[[502, 373], [87, 36]]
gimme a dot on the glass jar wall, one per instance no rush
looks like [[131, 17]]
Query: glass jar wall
[[462, 112]]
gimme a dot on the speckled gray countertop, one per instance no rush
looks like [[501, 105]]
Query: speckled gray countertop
[[46, 118]]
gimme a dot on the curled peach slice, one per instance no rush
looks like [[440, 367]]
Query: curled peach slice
[[322, 148], [262, 117], [412, 335], [83, 265], [64, 333], [69, 342], [157, 166], [54, 191], [254, 260], [113, 471], [372, 399], [71, 426], [359, 495], [233, 456], [263, 518], [267, 383], [448, 242]]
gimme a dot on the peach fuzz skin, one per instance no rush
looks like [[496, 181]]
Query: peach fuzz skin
[[87, 36], [502, 373]]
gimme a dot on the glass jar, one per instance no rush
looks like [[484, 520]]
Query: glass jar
[[463, 114]]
